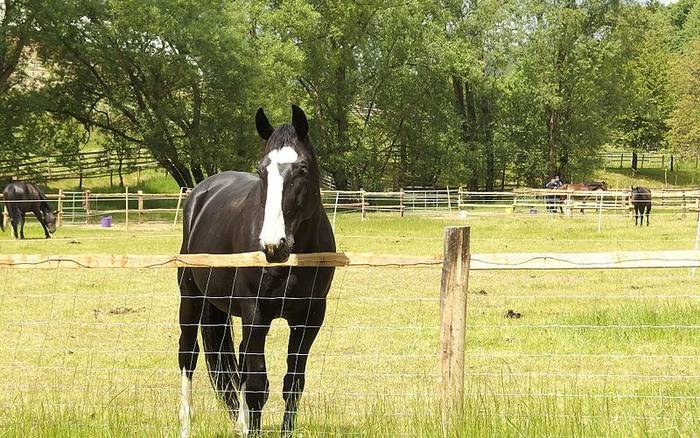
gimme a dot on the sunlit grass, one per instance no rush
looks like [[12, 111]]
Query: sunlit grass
[[594, 353]]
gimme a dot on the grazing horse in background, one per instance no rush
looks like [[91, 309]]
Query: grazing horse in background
[[24, 197], [277, 211], [640, 197], [583, 187]]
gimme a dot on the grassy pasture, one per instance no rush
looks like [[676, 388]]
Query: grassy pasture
[[595, 353]]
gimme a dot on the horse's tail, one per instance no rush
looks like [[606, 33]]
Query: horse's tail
[[220, 356]]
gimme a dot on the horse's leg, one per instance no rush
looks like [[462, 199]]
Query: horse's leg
[[254, 383], [43, 225], [301, 337], [648, 212], [14, 219], [21, 226], [191, 302]]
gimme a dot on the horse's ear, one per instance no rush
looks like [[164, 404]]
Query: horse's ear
[[299, 121], [263, 125]]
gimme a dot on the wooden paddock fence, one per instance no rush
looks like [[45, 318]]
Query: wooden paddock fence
[[645, 160], [456, 261], [137, 206]]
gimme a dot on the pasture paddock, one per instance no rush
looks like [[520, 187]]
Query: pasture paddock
[[614, 353]]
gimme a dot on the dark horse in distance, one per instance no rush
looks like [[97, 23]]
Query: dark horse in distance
[[24, 197], [278, 211], [640, 197]]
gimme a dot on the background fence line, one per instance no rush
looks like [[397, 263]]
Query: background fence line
[[83, 207]]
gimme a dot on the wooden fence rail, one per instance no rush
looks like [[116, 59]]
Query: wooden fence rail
[[77, 165]]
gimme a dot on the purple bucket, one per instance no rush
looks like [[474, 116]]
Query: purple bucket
[[106, 222]]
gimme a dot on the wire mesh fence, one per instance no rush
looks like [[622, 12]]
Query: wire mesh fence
[[95, 350]]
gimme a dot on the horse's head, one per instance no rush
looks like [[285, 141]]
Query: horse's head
[[50, 220], [290, 180], [604, 186]]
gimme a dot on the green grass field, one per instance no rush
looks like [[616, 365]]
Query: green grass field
[[596, 353]]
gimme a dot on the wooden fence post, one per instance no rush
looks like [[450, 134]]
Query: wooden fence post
[[59, 208], [140, 205], [177, 208], [362, 199], [600, 213], [401, 194], [87, 206], [697, 242], [684, 208], [449, 201], [126, 207], [335, 208], [453, 313]]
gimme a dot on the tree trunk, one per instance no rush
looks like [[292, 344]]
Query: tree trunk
[[401, 176], [552, 156], [121, 174], [197, 173], [178, 171], [465, 110], [487, 136]]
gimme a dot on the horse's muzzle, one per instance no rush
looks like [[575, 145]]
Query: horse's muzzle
[[278, 253]]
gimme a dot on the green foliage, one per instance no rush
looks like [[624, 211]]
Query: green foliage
[[685, 117], [425, 92]]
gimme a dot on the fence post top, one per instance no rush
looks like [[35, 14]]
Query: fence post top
[[458, 227]]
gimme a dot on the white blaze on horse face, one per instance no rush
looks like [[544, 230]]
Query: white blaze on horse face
[[185, 401], [273, 223]]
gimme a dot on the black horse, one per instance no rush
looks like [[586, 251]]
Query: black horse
[[277, 211], [640, 197], [24, 197]]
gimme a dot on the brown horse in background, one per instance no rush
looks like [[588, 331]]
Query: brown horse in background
[[582, 187]]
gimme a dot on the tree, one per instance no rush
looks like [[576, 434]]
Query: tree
[[685, 117], [175, 77], [568, 65], [644, 41]]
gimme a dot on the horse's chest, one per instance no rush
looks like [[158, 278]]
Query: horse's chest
[[278, 283]]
